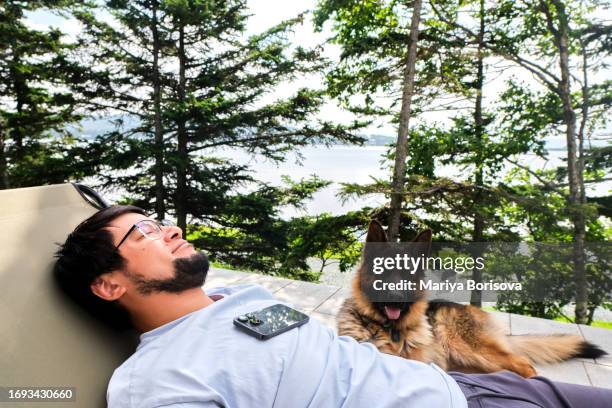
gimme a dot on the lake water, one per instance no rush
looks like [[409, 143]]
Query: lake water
[[349, 164], [353, 164]]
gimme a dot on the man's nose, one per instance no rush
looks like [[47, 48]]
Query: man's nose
[[172, 232]]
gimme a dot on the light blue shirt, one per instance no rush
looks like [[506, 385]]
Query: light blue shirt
[[202, 360]]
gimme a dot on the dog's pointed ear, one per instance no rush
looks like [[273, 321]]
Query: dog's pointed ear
[[376, 232], [424, 241], [424, 236]]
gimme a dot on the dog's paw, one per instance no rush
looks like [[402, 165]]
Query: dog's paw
[[528, 371]]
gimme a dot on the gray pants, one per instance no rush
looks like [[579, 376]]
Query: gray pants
[[509, 390]]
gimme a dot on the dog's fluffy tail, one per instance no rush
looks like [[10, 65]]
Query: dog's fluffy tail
[[544, 349]]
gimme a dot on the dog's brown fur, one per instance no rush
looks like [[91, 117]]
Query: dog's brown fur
[[455, 337]]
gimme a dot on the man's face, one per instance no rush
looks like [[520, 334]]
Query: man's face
[[167, 264]]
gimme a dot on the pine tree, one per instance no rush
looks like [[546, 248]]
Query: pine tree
[[127, 82], [208, 90], [36, 100], [217, 96]]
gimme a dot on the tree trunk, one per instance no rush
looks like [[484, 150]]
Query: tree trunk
[[591, 315], [160, 208], [583, 123], [574, 201], [582, 281], [20, 88], [183, 156], [401, 150], [477, 233], [4, 181]]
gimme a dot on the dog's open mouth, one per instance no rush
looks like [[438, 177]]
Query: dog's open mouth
[[393, 313]]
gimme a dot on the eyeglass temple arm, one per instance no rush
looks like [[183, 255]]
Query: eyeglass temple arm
[[126, 235]]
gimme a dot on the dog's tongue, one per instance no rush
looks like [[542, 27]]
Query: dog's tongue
[[393, 313]]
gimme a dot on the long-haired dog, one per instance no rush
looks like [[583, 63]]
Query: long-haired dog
[[456, 337]]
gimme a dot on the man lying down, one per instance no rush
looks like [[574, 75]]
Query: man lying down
[[128, 269]]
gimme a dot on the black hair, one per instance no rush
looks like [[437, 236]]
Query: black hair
[[88, 253]]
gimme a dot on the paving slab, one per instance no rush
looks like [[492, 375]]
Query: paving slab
[[306, 296], [223, 277], [600, 375], [572, 371], [602, 338], [273, 284], [332, 305], [533, 325]]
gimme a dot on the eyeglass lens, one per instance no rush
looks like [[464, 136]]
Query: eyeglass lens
[[151, 229]]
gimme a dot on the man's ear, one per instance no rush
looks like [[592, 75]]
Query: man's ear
[[376, 233], [107, 287]]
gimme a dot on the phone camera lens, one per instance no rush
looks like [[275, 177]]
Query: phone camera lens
[[255, 321]]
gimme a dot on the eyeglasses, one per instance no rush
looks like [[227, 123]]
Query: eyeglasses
[[148, 228]]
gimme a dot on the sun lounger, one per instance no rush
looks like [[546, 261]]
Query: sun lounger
[[45, 340]]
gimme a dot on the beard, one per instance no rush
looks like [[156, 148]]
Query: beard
[[189, 273]]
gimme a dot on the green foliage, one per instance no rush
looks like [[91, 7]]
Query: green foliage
[[250, 235], [36, 101], [374, 38], [331, 239], [550, 222], [547, 278]]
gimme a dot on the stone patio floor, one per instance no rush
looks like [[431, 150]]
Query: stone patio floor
[[321, 302]]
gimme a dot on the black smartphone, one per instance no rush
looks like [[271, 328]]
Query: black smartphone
[[271, 321]]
